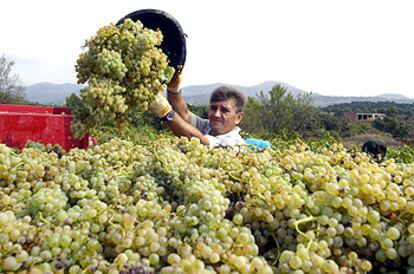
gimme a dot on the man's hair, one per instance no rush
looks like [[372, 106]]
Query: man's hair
[[224, 93]]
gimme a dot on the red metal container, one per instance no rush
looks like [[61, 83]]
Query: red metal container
[[46, 125]]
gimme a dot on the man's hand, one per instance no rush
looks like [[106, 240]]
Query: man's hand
[[174, 85], [160, 106]]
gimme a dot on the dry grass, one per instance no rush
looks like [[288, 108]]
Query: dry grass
[[386, 138]]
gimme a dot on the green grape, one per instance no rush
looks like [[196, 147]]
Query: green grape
[[393, 233], [391, 253], [173, 258], [295, 262]]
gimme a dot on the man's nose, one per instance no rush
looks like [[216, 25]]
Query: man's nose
[[216, 113]]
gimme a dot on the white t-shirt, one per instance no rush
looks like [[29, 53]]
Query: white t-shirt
[[231, 138]]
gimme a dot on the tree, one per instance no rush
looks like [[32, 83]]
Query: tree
[[280, 113], [334, 123], [394, 125], [11, 92]]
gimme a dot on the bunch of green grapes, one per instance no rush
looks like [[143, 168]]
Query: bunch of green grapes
[[176, 206], [124, 69]]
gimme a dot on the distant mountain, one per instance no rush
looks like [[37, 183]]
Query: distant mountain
[[48, 93], [199, 95], [324, 101], [393, 96], [267, 86]]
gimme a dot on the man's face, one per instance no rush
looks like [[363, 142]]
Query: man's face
[[223, 116]]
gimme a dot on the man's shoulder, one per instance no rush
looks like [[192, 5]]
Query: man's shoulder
[[203, 125]]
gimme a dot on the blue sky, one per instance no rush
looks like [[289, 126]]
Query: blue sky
[[344, 48]]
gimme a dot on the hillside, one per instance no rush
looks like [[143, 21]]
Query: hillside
[[200, 94], [324, 101], [48, 93]]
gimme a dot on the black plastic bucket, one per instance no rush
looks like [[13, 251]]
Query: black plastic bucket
[[174, 43]]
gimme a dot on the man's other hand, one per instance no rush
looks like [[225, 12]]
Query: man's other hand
[[160, 106], [174, 85]]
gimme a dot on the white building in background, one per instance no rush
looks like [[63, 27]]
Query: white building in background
[[363, 116]]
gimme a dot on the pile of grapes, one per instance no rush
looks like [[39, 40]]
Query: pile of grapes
[[124, 69], [176, 206]]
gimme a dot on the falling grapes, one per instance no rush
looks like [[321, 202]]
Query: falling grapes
[[124, 68]]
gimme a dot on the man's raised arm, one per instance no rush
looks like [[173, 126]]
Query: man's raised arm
[[176, 99], [162, 108]]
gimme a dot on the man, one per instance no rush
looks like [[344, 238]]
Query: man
[[220, 129]]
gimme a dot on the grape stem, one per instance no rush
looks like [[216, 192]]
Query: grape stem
[[18, 165], [301, 221], [277, 248], [43, 219], [112, 217], [156, 156], [234, 177], [302, 142], [399, 217], [260, 196], [386, 219], [180, 212]]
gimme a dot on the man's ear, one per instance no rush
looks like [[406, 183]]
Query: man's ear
[[239, 117]]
